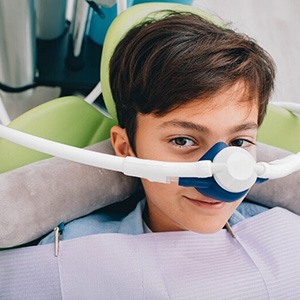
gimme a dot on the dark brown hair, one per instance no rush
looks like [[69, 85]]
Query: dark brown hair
[[162, 64]]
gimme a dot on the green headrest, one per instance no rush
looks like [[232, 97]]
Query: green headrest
[[280, 128], [68, 120]]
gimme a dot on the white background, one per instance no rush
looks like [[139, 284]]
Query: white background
[[275, 24]]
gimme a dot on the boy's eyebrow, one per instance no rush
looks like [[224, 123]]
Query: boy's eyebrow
[[186, 125], [246, 126], [204, 129]]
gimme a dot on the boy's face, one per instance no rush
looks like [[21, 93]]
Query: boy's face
[[185, 134]]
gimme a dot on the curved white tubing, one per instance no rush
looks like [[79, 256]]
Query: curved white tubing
[[94, 94], [91, 98], [291, 106], [4, 117], [121, 6], [279, 168], [64, 151], [157, 171]]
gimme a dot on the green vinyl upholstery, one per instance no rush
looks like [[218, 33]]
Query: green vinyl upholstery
[[69, 120], [280, 128]]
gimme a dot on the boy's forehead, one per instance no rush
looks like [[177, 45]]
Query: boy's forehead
[[238, 95], [228, 112]]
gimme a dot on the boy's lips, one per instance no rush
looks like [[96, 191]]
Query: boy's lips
[[206, 202]]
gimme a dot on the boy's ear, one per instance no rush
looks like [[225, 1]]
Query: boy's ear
[[120, 142]]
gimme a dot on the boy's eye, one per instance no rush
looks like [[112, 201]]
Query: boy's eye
[[241, 143], [182, 142]]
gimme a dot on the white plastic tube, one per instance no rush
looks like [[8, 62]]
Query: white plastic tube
[[79, 155], [121, 6], [94, 94], [4, 117], [165, 172], [279, 168], [291, 106], [91, 98], [152, 170]]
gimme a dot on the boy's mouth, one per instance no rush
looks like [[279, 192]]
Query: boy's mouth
[[206, 203]]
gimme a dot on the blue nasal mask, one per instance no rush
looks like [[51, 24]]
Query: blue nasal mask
[[226, 185], [224, 173]]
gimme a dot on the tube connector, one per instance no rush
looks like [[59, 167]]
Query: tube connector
[[165, 172]]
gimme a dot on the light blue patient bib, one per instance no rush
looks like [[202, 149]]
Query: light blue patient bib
[[262, 261]]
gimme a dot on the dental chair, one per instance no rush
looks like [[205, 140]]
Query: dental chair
[[76, 122]]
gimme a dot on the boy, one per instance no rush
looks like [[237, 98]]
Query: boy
[[182, 84]]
